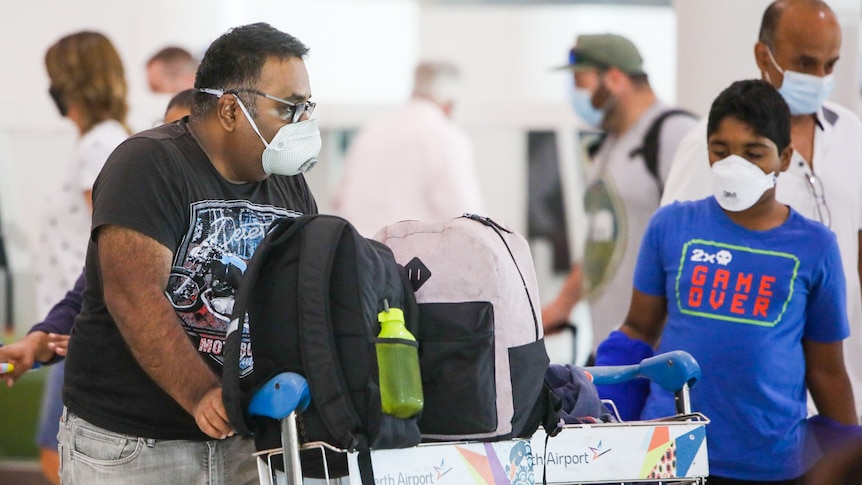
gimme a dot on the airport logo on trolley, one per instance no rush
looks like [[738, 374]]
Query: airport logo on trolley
[[571, 459], [598, 451], [442, 469], [734, 283]]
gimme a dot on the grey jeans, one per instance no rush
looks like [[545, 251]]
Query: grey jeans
[[90, 455]]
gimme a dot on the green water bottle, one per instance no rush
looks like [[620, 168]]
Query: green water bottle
[[398, 362]]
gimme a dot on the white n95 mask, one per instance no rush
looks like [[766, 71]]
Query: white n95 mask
[[293, 150], [738, 184]]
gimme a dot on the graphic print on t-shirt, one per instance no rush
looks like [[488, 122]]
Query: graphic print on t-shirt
[[606, 237], [222, 237], [735, 283]]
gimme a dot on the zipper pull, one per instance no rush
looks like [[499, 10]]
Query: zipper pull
[[487, 221]]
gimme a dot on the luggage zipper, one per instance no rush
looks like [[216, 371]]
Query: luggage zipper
[[499, 230]]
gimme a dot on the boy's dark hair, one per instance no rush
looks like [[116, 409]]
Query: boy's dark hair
[[757, 104], [235, 60]]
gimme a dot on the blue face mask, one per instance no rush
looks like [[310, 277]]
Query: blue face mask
[[804, 93], [583, 107]]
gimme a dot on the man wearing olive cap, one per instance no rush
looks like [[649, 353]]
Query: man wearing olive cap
[[612, 92]]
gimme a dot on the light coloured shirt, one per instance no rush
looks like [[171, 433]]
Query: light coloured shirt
[[415, 164], [65, 230], [838, 167], [621, 197]]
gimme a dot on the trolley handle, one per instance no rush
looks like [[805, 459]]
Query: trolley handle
[[283, 397], [676, 371], [278, 397]]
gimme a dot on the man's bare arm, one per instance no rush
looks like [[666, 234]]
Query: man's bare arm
[[135, 271], [828, 382], [646, 318]]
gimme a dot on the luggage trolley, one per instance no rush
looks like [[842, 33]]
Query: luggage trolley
[[669, 451]]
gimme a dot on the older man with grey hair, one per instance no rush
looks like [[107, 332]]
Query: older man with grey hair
[[413, 164]]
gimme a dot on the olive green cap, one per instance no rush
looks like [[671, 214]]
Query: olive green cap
[[602, 51]]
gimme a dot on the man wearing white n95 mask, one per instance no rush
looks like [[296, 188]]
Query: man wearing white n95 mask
[[797, 51], [178, 211]]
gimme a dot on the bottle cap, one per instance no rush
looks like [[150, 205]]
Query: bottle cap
[[393, 315]]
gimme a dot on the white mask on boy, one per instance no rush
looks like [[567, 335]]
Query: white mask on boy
[[738, 184]]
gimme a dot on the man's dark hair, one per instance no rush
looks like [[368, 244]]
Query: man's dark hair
[[756, 103], [772, 15], [235, 60]]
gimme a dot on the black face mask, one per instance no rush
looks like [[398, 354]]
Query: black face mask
[[58, 100]]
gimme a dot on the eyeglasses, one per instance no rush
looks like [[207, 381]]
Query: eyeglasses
[[817, 191], [294, 112]]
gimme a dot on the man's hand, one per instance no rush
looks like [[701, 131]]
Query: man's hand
[[59, 344], [211, 416], [22, 355], [555, 317]]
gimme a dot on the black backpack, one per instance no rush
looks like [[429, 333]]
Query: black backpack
[[311, 293], [650, 145]]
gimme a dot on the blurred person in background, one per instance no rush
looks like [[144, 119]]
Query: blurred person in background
[[180, 105], [171, 70], [625, 175], [415, 163], [47, 341], [88, 87]]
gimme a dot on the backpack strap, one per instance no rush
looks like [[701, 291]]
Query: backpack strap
[[596, 143], [282, 230], [330, 395], [649, 148]]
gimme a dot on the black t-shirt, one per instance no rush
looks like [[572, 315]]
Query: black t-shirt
[[161, 184]]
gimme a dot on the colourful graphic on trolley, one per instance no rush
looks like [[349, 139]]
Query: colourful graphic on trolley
[[611, 453], [668, 458], [473, 463], [488, 468]]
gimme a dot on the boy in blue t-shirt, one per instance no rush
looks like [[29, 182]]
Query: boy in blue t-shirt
[[753, 290]]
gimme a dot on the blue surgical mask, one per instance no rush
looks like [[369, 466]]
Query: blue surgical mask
[[583, 107], [804, 93]]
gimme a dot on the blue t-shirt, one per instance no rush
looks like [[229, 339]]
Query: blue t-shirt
[[741, 302]]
